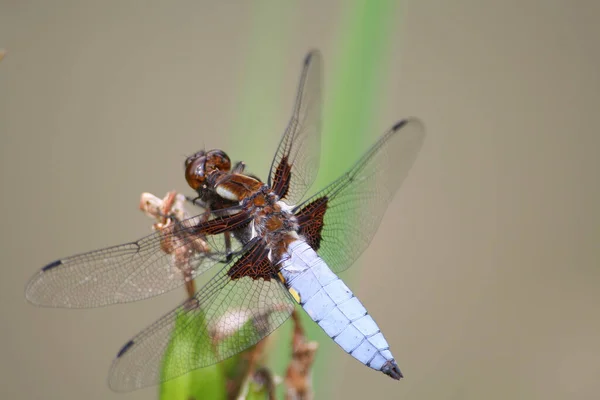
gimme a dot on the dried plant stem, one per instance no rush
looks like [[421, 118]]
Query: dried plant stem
[[298, 379], [252, 357], [265, 376]]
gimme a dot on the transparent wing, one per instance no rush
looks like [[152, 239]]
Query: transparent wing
[[153, 265], [296, 161], [341, 220], [226, 317]]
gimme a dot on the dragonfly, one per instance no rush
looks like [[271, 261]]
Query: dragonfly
[[268, 247]]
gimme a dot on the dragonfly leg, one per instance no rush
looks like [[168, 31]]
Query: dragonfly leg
[[228, 253], [197, 201], [239, 167]]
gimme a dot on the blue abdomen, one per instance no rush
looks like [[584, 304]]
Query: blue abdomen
[[332, 305]]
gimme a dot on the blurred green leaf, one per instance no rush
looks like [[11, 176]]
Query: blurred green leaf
[[203, 383], [257, 391], [213, 381]]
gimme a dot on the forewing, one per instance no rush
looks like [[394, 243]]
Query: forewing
[[296, 161], [132, 271], [341, 220], [226, 317]]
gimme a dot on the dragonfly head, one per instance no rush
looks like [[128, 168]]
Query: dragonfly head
[[203, 163]]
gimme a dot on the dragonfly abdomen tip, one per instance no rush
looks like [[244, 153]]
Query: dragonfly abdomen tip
[[391, 369]]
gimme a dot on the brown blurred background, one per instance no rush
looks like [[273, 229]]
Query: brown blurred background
[[485, 273]]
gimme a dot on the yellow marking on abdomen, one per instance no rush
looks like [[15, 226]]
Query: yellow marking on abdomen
[[292, 291], [295, 294], [281, 278]]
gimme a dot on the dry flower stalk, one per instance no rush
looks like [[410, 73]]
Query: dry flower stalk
[[298, 376]]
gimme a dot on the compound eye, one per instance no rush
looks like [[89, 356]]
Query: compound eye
[[217, 159], [195, 172], [193, 157]]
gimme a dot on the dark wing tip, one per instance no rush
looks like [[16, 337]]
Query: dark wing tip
[[399, 124], [311, 54], [412, 120], [391, 369], [124, 349], [53, 264]]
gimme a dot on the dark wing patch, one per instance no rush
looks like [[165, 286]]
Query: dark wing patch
[[281, 178], [310, 219], [254, 263], [296, 160]]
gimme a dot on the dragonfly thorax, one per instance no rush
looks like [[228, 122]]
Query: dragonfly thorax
[[272, 219]]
